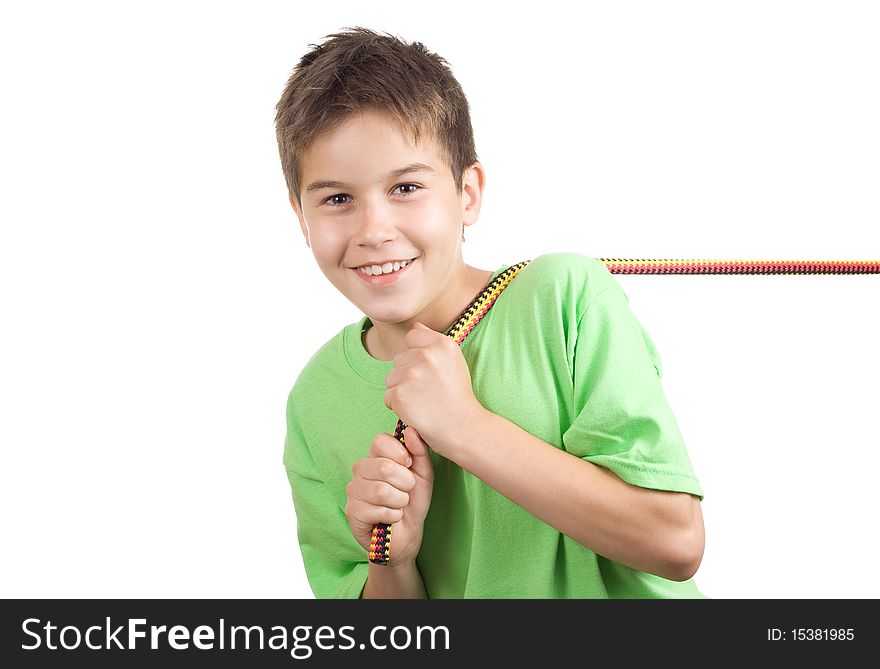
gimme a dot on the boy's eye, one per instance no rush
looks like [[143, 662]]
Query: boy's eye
[[334, 200], [407, 192]]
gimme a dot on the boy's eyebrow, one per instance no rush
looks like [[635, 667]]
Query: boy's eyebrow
[[412, 167]]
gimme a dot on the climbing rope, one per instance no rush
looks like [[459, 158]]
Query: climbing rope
[[629, 266]]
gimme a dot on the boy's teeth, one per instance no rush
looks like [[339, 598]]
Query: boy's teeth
[[387, 268]]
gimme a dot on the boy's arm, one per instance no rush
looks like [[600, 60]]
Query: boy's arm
[[656, 531], [394, 581]]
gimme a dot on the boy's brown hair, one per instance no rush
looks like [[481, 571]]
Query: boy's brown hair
[[359, 70]]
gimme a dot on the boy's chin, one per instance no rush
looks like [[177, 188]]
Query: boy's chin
[[390, 321], [388, 317]]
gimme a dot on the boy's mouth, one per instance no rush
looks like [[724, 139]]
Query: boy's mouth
[[388, 275]]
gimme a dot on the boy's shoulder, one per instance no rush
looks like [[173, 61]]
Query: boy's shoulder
[[568, 272], [322, 370]]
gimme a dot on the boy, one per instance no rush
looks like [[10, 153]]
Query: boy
[[541, 459]]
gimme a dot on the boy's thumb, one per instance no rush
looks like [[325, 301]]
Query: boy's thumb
[[417, 448]]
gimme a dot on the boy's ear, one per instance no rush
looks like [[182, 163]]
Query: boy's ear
[[297, 209], [472, 193]]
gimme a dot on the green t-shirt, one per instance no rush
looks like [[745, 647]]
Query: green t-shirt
[[561, 355]]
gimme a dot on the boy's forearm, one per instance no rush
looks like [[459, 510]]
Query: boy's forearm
[[394, 581], [655, 531]]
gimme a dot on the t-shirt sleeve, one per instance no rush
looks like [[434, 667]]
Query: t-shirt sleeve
[[623, 421], [335, 564]]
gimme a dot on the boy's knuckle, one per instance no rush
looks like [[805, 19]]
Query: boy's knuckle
[[386, 493], [409, 481], [386, 469]]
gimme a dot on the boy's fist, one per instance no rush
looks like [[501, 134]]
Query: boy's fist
[[430, 388], [393, 485]]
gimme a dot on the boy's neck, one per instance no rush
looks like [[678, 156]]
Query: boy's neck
[[384, 341]]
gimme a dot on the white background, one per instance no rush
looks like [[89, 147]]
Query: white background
[[158, 299]]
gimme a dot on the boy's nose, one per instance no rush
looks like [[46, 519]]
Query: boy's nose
[[375, 225]]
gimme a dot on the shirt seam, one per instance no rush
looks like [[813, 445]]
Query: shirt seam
[[596, 299], [577, 336], [304, 443]]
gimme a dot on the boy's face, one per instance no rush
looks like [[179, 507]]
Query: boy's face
[[374, 211]]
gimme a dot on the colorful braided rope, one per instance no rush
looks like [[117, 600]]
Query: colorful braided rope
[[380, 541], [629, 266]]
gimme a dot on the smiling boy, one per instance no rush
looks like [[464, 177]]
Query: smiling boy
[[418, 222], [541, 457]]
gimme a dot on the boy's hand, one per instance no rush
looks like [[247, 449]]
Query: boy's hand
[[430, 388], [393, 485]]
